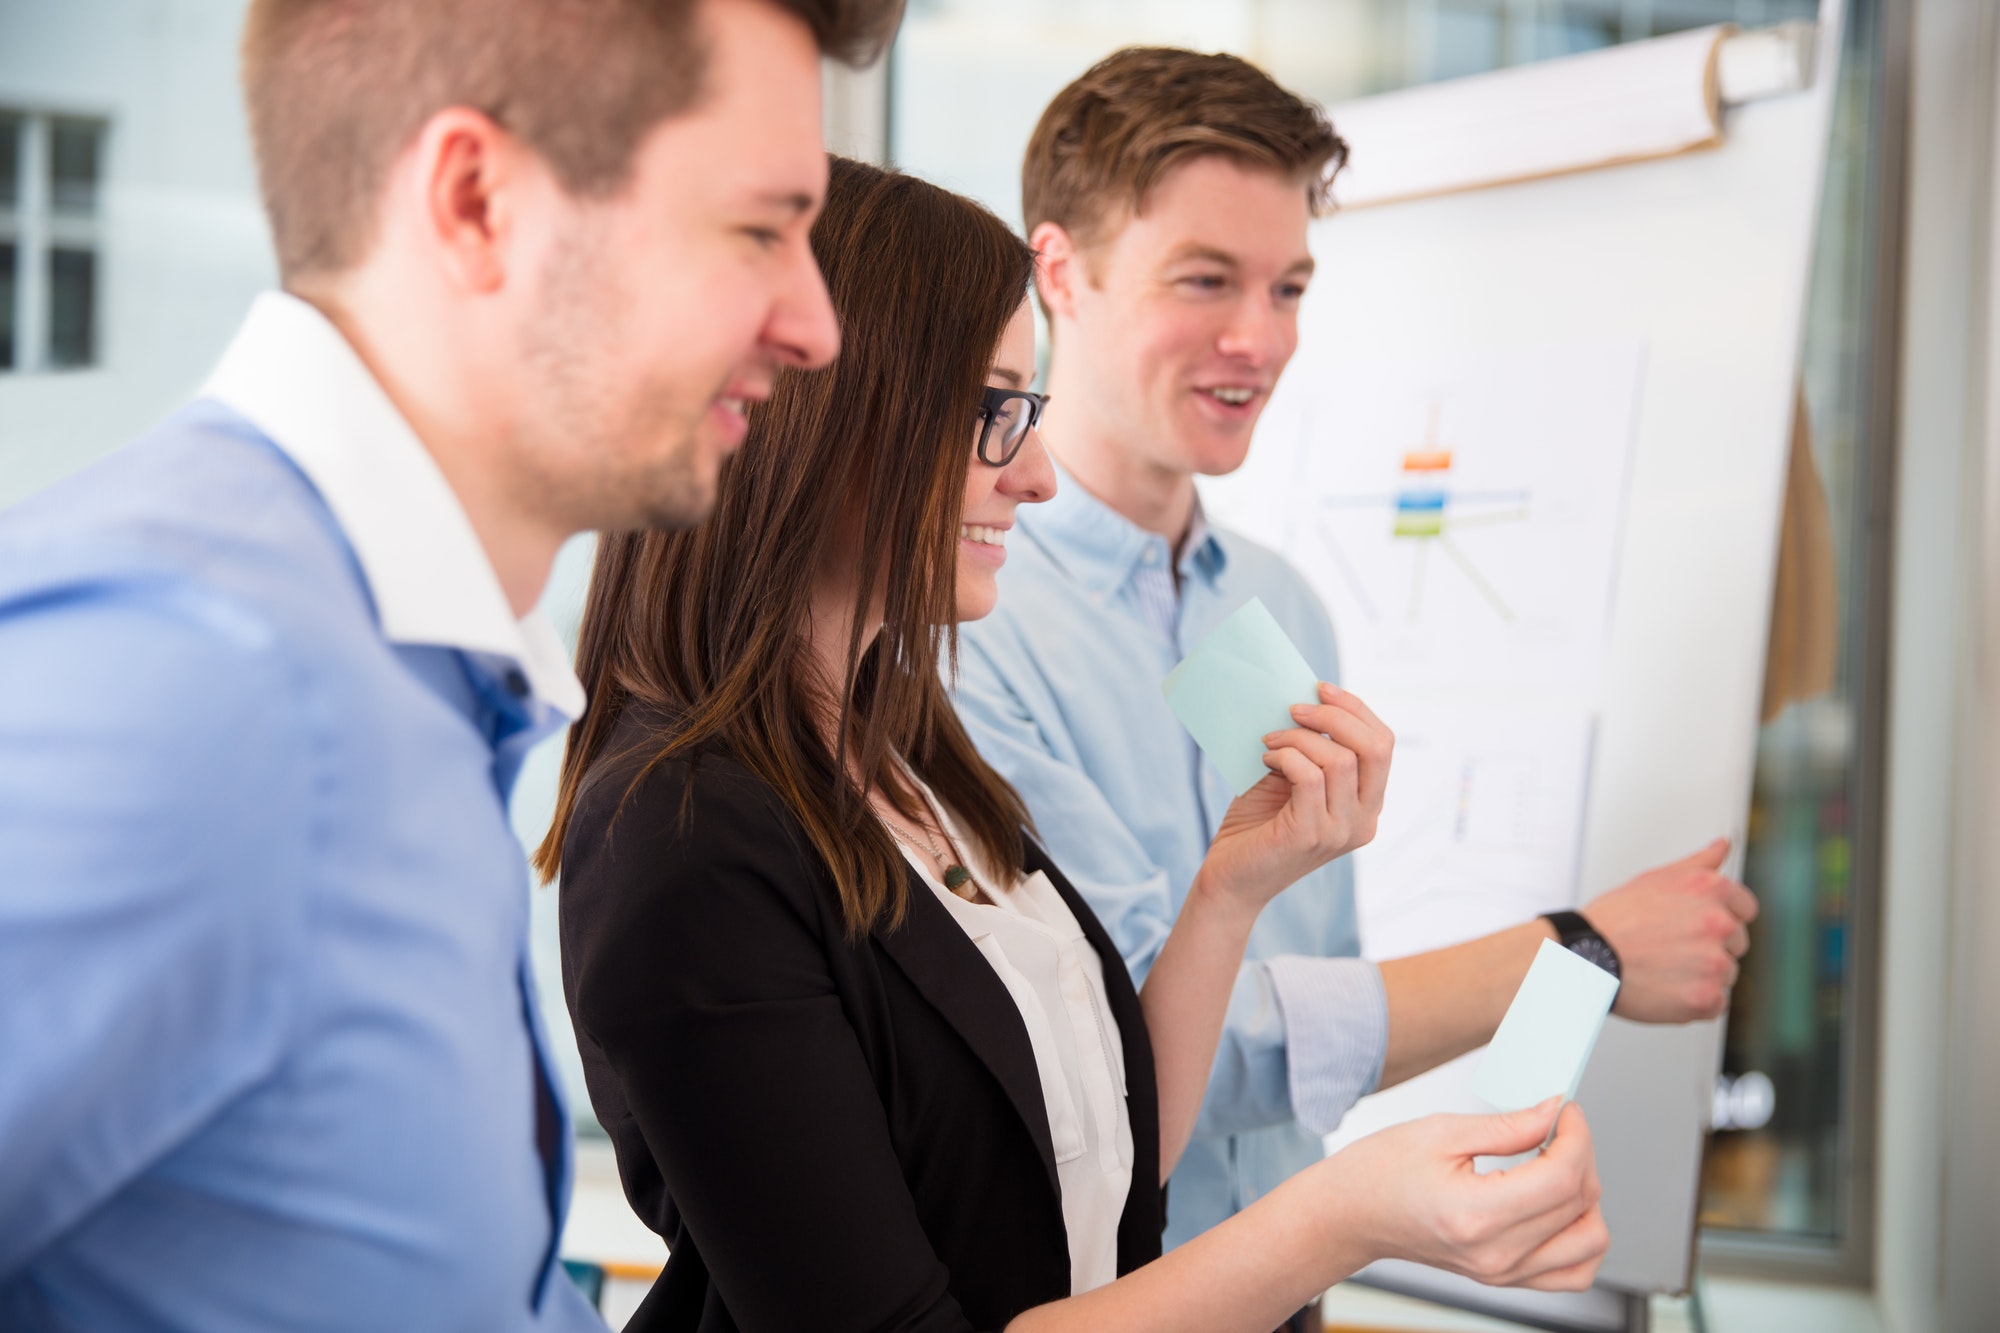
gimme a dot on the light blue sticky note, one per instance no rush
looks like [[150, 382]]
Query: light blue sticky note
[[1238, 686], [1546, 1038]]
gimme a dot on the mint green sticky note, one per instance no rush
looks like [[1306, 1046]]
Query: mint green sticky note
[[1546, 1038], [1238, 686]]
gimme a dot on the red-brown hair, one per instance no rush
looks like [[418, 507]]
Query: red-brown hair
[[1109, 137], [336, 88], [703, 633]]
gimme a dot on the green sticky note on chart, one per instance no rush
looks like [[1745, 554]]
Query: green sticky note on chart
[[1238, 686], [1545, 1041]]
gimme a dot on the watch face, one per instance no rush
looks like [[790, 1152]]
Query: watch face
[[1594, 949]]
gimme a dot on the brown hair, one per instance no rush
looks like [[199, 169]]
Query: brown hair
[[706, 629], [1109, 137], [336, 88]]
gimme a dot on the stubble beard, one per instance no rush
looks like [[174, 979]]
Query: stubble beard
[[598, 459]]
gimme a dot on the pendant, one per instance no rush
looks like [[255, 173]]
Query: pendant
[[956, 877]]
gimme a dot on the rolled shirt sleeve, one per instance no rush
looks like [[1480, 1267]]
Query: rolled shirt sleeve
[[1336, 1024]]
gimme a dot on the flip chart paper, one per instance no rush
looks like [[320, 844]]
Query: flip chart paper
[[1545, 1040], [1238, 686]]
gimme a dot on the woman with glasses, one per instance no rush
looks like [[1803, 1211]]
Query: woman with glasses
[[867, 1059]]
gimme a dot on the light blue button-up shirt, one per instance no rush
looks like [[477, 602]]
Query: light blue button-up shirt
[[269, 1057], [1060, 688]]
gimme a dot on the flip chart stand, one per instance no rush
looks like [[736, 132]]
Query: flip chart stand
[[1697, 245]]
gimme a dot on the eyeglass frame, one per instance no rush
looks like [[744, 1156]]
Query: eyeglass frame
[[990, 405]]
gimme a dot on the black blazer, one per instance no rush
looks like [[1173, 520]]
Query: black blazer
[[831, 1134]]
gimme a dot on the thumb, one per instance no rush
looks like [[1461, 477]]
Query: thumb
[[1710, 857], [1509, 1133]]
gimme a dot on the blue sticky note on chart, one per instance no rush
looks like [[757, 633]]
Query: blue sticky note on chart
[[1545, 1041], [1238, 686]]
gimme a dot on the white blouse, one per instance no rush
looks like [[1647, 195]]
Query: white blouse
[[1031, 939]]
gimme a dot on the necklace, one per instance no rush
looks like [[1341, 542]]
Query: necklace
[[956, 876]]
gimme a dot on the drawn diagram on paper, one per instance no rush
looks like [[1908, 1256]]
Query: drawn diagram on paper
[[1481, 827], [1428, 512], [1460, 516]]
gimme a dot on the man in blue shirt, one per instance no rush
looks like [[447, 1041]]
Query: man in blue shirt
[[270, 1049], [1168, 195]]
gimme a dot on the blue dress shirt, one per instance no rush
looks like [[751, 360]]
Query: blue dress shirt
[[269, 1057], [1060, 688]]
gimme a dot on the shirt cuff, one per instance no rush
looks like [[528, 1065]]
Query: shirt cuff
[[1336, 1018]]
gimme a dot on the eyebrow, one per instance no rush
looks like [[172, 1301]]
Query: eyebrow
[[1303, 265], [1208, 252], [1013, 377], [792, 201]]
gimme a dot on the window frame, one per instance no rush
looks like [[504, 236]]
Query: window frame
[[1850, 1259], [37, 230]]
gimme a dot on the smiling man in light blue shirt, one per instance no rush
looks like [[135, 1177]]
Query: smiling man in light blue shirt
[[269, 1049], [1168, 194]]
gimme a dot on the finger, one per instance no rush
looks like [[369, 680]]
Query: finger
[[1742, 903], [1710, 857], [1528, 1230], [1568, 1259], [1573, 1131], [1339, 722], [1371, 743], [1340, 764], [1308, 799], [1580, 1278], [1502, 1135], [1350, 702], [1561, 1180], [1569, 1190]]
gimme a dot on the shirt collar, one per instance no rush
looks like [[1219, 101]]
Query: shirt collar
[[1102, 549], [291, 373]]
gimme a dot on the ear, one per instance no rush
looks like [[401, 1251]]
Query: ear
[[469, 175], [1058, 268]]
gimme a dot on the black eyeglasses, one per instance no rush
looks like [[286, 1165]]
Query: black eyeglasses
[[1006, 416]]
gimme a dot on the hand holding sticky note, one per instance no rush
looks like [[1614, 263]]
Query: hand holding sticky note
[[1544, 1042], [1237, 687]]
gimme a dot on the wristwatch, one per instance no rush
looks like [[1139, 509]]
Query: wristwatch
[[1582, 939]]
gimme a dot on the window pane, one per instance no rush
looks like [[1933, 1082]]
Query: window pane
[[7, 262], [75, 147], [10, 161], [72, 308], [1781, 1161]]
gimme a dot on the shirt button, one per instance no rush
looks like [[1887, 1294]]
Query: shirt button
[[517, 684]]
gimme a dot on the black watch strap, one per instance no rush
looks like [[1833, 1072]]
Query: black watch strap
[[1581, 938]]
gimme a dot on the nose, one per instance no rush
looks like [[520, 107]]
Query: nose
[[802, 331], [1261, 332], [1029, 477]]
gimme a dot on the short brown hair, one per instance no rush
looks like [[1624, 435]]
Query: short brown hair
[[336, 88], [1109, 137], [701, 636]]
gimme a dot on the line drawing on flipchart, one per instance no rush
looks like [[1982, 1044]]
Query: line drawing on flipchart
[[1425, 510], [1460, 516], [1482, 824]]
